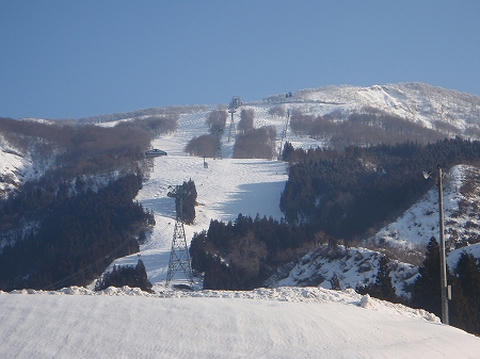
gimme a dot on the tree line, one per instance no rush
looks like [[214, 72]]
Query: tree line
[[242, 254], [78, 236], [365, 128], [88, 149]]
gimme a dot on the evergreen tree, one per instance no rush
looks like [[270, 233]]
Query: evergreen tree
[[287, 151], [382, 288], [185, 196], [466, 297], [126, 275], [383, 282], [426, 290]]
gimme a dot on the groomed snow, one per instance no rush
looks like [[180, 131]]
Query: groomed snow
[[280, 323], [225, 189]]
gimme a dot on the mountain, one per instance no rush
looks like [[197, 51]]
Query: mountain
[[414, 228], [250, 186], [448, 111], [276, 322]]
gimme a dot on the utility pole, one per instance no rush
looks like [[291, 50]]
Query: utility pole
[[443, 262]]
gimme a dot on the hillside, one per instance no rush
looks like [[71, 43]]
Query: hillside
[[414, 228], [230, 186], [279, 323], [352, 267]]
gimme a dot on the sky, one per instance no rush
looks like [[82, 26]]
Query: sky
[[69, 59]]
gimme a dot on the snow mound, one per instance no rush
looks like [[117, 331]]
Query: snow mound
[[266, 323]]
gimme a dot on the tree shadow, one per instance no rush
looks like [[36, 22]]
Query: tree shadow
[[253, 198]]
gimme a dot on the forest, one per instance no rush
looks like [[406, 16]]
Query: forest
[[243, 253], [342, 196], [77, 237], [67, 226], [348, 194], [367, 127]]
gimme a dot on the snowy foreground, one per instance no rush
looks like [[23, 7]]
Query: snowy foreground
[[264, 323]]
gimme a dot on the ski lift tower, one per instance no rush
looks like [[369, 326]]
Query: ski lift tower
[[283, 135], [232, 108], [179, 255]]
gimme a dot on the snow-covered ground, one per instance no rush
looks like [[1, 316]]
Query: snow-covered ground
[[352, 267], [275, 323], [420, 103], [226, 188], [231, 186], [15, 167], [414, 228]]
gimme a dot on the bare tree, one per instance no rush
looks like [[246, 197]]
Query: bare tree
[[216, 121], [246, 120], [256, 143], [202, 146], [277, 111]]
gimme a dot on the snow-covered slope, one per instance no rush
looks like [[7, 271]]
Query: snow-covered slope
[[16, 167], [426, 105], [229, 187], [414, 228], [351, 267], [279, 323], [225, 189]]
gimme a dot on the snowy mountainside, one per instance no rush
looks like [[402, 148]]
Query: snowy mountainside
[[414, 228], [267, 323], [448, 112], [405, 238], [225, 189], [16, 167], [232, 186], [418, 102], [353, 267]]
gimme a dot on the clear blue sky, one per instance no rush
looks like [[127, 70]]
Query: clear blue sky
[[76, 58]]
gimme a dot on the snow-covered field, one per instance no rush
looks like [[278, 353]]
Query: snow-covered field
[[278, 323]]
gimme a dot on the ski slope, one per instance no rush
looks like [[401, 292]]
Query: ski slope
[[278, 323], [225, 189]]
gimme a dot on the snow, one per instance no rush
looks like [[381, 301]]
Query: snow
[[281, 322], [353, 267], [414, 228], [15, 167], [417, 102], [226, 188], [454, 256], [266, 323]]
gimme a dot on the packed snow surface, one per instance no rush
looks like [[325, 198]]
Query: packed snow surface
[[265, 323]]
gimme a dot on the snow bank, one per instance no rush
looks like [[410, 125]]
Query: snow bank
[[265, 323]]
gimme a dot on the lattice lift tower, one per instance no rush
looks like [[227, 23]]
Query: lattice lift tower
[[284, 135], [179, 255], [232, 108]]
